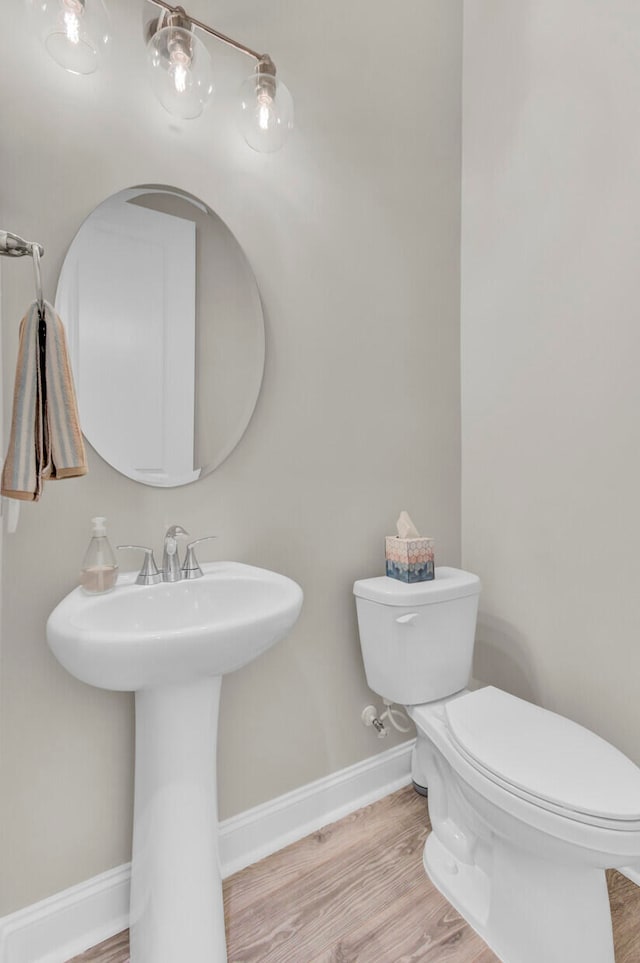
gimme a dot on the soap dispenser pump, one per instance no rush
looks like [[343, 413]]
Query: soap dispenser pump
[[99, 568]]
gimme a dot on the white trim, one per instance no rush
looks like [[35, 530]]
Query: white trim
[[258, 832], [632, 873], [70, 922]]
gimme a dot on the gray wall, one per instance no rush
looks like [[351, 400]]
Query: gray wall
[[551, 340], [353, 234]]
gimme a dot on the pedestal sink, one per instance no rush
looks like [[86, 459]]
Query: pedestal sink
[[171, 643]]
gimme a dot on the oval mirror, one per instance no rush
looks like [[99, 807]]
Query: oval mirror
[[166, 334]]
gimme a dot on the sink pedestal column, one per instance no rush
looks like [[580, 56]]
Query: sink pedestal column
[[176, 887]]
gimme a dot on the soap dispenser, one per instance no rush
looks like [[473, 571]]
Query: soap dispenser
[[99, 568]]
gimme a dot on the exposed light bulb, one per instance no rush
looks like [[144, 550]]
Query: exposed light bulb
[[75, 32], [179, 78], [265, 101], [71, 18], [180, 70], [266, 111]]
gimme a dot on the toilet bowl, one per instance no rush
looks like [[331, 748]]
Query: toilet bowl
[[527, 808]]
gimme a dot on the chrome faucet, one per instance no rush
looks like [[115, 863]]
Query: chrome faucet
[[171, 570], [170, 557]]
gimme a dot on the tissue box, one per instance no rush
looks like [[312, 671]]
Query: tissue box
[[409, 559]]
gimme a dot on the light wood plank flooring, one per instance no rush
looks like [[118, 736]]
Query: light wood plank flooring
[[356, 892]]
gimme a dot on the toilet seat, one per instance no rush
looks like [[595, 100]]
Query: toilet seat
[[545, 758]]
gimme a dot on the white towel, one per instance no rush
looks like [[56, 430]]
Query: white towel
[[46, 440]]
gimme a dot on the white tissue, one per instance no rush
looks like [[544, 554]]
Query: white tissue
[[406, 528]]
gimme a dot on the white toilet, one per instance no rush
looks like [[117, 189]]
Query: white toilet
[[528, 809]]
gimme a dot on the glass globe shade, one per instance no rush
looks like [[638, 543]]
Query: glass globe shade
[[266, 112], [75, 32], [180, 69]]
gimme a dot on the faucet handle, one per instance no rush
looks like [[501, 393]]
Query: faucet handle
[[148, 574], [190, 567]]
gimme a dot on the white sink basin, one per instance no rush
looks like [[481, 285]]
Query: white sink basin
[[171, 643], [141, 636]]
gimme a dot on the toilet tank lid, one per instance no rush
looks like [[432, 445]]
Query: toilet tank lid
[[448, 584]]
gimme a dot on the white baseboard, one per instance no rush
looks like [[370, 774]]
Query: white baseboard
[[68, 923], [58, 928], [258, 832], [632, 873]]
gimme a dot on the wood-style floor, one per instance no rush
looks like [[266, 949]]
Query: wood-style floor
[[356, 892]]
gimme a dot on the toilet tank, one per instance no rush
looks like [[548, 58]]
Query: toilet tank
[[417, 639]]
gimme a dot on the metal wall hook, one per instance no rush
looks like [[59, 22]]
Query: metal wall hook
[[12, 245]]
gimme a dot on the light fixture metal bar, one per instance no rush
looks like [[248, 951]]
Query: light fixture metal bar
[[210, 30]]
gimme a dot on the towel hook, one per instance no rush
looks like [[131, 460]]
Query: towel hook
[[35, 254], [12, 245]]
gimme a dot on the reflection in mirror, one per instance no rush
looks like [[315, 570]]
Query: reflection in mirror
[[166, 334]]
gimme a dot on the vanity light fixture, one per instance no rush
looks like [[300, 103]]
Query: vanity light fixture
[[180, 67], [75, 32]]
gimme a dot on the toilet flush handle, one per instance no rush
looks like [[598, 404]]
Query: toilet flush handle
[[407, 619]]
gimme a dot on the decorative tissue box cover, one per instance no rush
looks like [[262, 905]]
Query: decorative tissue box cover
[[409, 559]]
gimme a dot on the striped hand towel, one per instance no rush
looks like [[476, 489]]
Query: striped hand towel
[[46, 440]]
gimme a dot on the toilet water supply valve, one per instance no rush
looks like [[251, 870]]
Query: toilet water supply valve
[[395, 716]]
